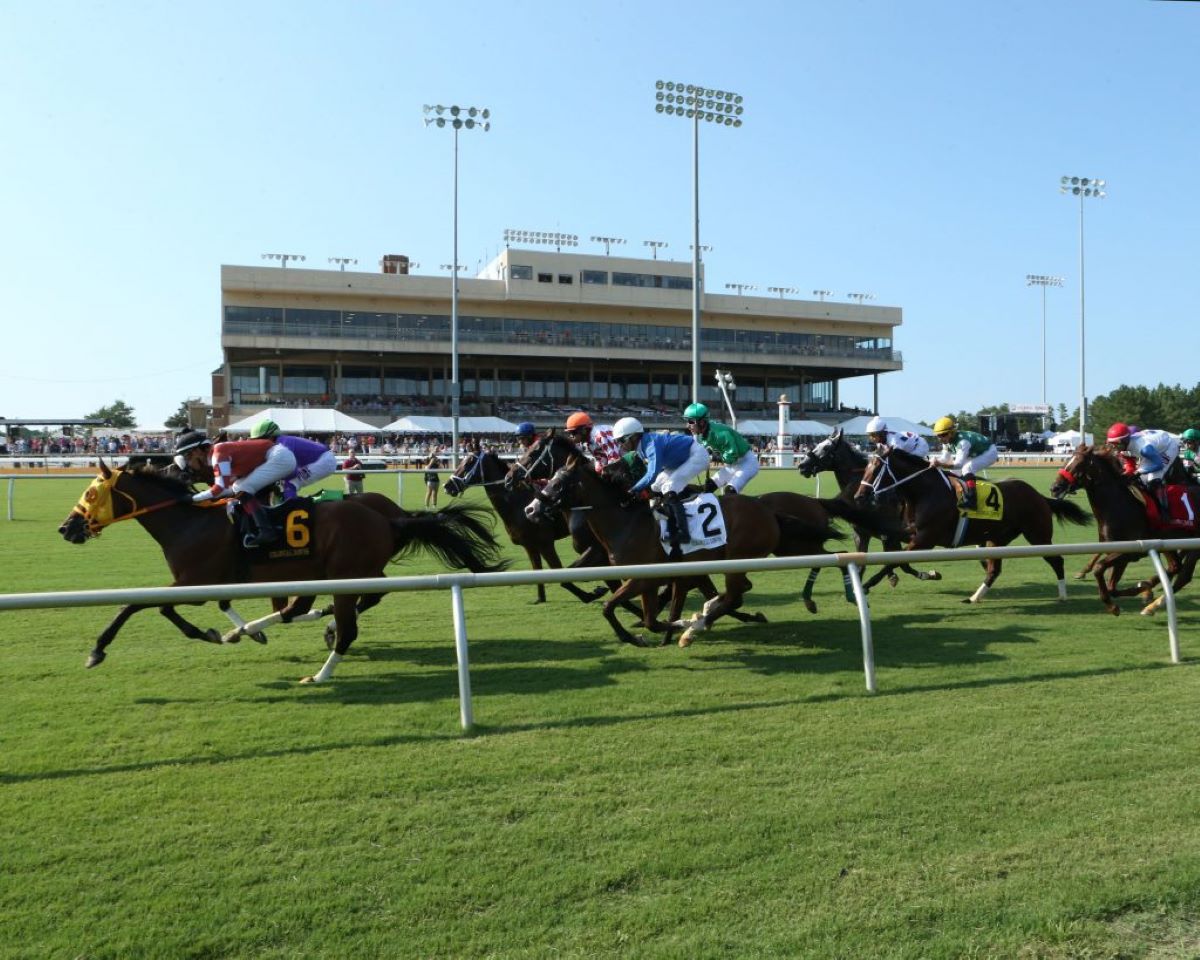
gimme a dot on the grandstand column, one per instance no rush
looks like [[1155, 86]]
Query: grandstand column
[[784, 440]]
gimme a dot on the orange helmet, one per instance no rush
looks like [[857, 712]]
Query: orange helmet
[[577, 420]]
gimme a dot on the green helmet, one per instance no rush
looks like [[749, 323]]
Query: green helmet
[[265, 428], [695, 411], [1191, 433]]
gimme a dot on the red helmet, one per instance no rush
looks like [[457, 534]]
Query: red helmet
[[1119, 431], [578, 419]]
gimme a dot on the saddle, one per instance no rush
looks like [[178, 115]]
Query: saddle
[[989, 499], [292, 518], [1182, 514]]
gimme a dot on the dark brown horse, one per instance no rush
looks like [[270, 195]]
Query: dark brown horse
[[629, 532], [341, 540], [931, 503], [1121, 515], [848, 465], [536, 537]]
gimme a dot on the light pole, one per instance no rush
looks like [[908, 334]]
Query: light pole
[[1083, 188], [740, 287], [342, 261], [1040, 280], [609, 243], [782, 291], [546, 238], [655, 245], [457, 118], [283, 258], [822, 294], [861, 298], [712, 106]]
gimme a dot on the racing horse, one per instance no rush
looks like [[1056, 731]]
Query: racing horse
[[932, 506], [345, 540], [848, 465], [1120, 515], [629, 532], [537, 538]]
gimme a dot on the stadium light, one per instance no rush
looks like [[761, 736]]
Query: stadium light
[[546, 238], [655, 245], [342, 261], [1083, 188], [456, 118], [1040, 280], [696, 103], [822, 294], [609, 243], [283, 258], [782, 291], [860, 297], [740, 287]]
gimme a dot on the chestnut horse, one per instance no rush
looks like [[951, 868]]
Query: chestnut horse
[[932, 505], [345, 540], [1120, 515]]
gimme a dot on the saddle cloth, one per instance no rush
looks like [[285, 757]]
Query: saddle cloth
[[293, 518], [989, 499], [706, 523], [1183, 516]]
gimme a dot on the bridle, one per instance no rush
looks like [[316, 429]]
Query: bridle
[[527, 470], [94, 527], [460, 483], [887, 471]]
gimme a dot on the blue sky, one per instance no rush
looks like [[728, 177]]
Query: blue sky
[[910, 150]]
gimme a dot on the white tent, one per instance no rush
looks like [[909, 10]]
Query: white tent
[[858, 426], [304, 420], [795, 428], [445, 424]]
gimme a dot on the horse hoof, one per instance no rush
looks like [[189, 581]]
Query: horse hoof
[[232, 637], [933, 575], [211, 635], [967, 600], [686, 638], [810, 606], [95, 658], [762, 617], [1150, 610], [893, 581], [1114, 610], [667, 638], [308, 680], [534, 603], [330, 636], [259, 638]]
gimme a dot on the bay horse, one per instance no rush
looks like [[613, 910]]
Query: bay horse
[[629, 532], [932, 506], [536, 537], [346, 539], [1120, 515], [835, 454]]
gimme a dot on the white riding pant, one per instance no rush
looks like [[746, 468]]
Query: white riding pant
[[280, 463], [676, 478], [737, 475], [319, 469], [981, 462]]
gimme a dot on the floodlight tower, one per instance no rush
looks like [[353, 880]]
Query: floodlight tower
[[609, 243], [547, 238], [342, 261], [1083, 188], [696, 103], [740, 287], [655, 245], [822, 294], [860, 298], [283, 258], [457, 118], [782, 291], [1040, 280]]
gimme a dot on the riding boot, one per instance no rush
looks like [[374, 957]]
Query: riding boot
[[969, 496], [729, 488], [677, 517], [1159, 489], [265, 532]]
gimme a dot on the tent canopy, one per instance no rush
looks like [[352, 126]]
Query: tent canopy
[[795, 428], [445, 425], [858, 426], [304, 420]]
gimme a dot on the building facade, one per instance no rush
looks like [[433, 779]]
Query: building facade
[[540, 332]]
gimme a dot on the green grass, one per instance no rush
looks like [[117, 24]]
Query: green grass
[[1023, 785]]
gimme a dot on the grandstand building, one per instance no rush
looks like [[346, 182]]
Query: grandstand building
[[540, 333]]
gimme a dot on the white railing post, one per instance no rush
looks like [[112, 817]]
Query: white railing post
[[1169, 601], [460, 650], [12, 483], [864, 623]]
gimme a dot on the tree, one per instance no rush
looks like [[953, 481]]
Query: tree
[[179, 419], [116, 414]]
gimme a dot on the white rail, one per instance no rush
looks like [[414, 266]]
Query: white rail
[[457, 582]]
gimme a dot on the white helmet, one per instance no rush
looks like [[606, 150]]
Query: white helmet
[[626, 427], [877, 425]]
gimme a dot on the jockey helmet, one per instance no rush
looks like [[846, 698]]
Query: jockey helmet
[[876, 425], [1191, 434], [695, 411], [1118, 432], [627, 427], [265, 428], [189, 440], [525, 429], [578, 420], [944, 425]]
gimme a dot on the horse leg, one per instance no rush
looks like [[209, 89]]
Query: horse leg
[[550, 554], [1185, 566], [1117, 563], [1089, 566], [97, 654], [188, 629], [535, 561], [594, 556], [806, 594], [678, 595], [992, 571], [226, 607], [346, 624], [736, 586], [627, 589], [1060, 576]]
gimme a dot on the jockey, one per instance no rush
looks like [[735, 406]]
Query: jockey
[[672, 461], [1156, 452], [596, 442], [1187, 456], [881, 435], [966, 452], [245, 467], [726, 446], [192, 450], [526, 434]]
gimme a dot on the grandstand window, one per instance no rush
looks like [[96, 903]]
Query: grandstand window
[[403, 382], [545, 278], [520, 271], [268, 320], [677, 283], [565, 278], [594, 276], [305, 380], [358, 382]]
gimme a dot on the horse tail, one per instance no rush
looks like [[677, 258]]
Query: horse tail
[[794, 530], [1065, 511], [875, 523], [458, 535]]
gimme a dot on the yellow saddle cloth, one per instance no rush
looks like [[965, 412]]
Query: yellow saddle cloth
[[989, 499]]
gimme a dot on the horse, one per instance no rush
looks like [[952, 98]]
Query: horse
[[343, 539], [1120, 515], [848, 465], [629, 532], [932, 505], [536, 538]]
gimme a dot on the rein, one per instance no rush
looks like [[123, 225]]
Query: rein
[[542, 455], [887, 466]]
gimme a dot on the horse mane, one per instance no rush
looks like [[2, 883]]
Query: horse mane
[[841, 443], [164, 477], [906, 457]]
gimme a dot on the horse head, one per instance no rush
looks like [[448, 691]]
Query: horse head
[[115, 495], [820, 458], [540, 459], [561, 490], [466, 475], [1087, 467]]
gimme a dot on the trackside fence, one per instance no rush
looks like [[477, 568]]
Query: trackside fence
[[456, 583]]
